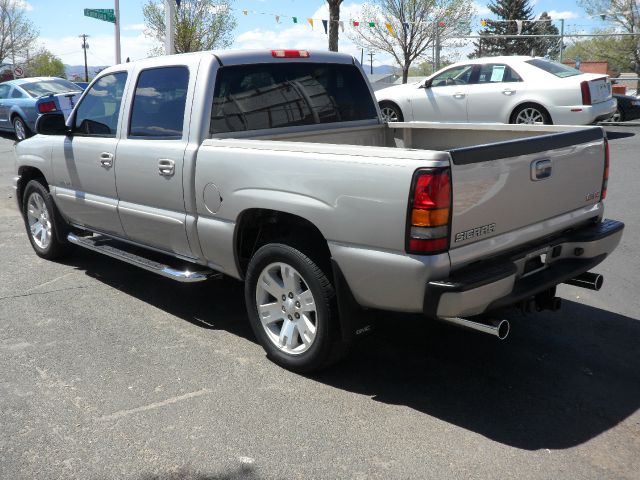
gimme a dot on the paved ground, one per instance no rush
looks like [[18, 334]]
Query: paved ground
[[109, 372]]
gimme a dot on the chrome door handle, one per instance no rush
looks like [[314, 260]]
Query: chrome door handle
[[106, 159], [166, 167], [458, 95], [508, 91]]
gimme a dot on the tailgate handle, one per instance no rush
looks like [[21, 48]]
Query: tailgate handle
[[540, 169]]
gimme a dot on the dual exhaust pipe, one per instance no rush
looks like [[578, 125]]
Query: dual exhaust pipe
[[501, 328]]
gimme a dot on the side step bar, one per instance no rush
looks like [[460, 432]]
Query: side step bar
[[107, 246]]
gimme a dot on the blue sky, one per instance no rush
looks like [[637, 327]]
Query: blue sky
[[60, 23]]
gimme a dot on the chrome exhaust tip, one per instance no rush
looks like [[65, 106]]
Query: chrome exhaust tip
[[588, 280], [497, 328]]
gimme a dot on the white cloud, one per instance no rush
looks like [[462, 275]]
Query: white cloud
[[567, 14], [134, 26], [481, 8], [101, 48]]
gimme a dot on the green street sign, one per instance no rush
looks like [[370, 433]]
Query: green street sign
[[105, 14]]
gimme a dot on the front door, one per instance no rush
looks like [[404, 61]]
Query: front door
[[445, 97], [85, 161], [151, 155]]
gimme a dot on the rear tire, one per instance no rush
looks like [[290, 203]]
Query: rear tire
[[391, 112], [43, 222], [618, 116], [530, 114], [20, 129], [292, 309]]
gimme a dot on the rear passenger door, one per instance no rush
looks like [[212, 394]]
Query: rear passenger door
[[494, 94], [151, 152]]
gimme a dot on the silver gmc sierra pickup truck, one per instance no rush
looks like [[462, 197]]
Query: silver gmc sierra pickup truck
[[275, 168]]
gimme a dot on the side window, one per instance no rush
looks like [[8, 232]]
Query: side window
[[495, 73], [459, 75], [98, 112], [17, 94], [4, 91], [159, 103]]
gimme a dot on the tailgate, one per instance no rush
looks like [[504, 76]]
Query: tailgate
[[502, 187]]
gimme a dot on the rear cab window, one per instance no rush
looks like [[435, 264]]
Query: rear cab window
[[261, 96], [557, 69]]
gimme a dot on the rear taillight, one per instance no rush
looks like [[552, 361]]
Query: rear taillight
[[605, 175], [290, 54], [429, 212], [586, 93], [46, 107]]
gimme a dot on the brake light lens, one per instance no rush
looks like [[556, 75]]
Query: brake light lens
[[605, 175], [429, 212], [46, 107], [290, 54], [586, 93]]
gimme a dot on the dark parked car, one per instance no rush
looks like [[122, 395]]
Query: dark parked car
[[628, 108], [23, 100]]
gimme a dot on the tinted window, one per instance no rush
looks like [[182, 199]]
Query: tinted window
[[459, 75], [557, 69], [47, 87], [98, 112], [253, 97], [158, 103], [4, 91], [495, 73], [17, 94]]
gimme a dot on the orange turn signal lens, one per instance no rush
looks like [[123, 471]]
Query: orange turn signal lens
[[429, 218]]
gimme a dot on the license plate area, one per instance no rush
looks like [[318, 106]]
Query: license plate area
[[534, 262]]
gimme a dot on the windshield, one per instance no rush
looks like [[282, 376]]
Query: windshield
[[557, 69], [47, 87]]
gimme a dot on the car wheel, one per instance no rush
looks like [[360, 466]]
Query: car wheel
[[292, 309], [20, 129], [391, 112], [530, 114], [618, 116], [43, 222]]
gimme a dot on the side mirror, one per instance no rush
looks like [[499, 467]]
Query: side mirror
[[426, 84], [51, 124]]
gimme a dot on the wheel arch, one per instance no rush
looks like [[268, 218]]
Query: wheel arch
[[533, 103], [28, 173], [394, 104]]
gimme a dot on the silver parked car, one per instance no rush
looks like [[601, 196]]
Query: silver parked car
[[22, 100]]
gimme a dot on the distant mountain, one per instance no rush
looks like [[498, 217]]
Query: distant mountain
[[72, 70]]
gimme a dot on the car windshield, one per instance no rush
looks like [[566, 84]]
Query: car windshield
[[47, 87], [557, 69]]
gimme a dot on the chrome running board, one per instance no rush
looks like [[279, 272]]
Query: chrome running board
[[113, 248]]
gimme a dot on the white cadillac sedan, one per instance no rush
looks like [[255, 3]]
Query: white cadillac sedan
[[504, 90]]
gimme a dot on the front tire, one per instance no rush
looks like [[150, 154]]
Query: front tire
[[43, 222], [292, 309], [390, 112], [20, 129]]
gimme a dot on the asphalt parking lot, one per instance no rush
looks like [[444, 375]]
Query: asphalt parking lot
[[107, 371]]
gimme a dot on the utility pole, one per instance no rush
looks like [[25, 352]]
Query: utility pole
[[437, 59], [85, 45], [561, 38], [170, 27], [371, 54], [362, 56], [117, 13]]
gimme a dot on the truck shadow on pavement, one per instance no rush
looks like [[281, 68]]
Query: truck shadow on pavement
[[559, 380]]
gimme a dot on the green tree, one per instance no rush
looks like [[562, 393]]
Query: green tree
[[45, 64], [516, 17], [618, 51], [334, 18], [622, 16], [17, 33], [200, 25], [416, 27]]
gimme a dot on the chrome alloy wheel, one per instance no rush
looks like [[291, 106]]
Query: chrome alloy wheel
[[286, 308], [389, 114], [39, 220], [617, 116], [530, 116], [20, 129]]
